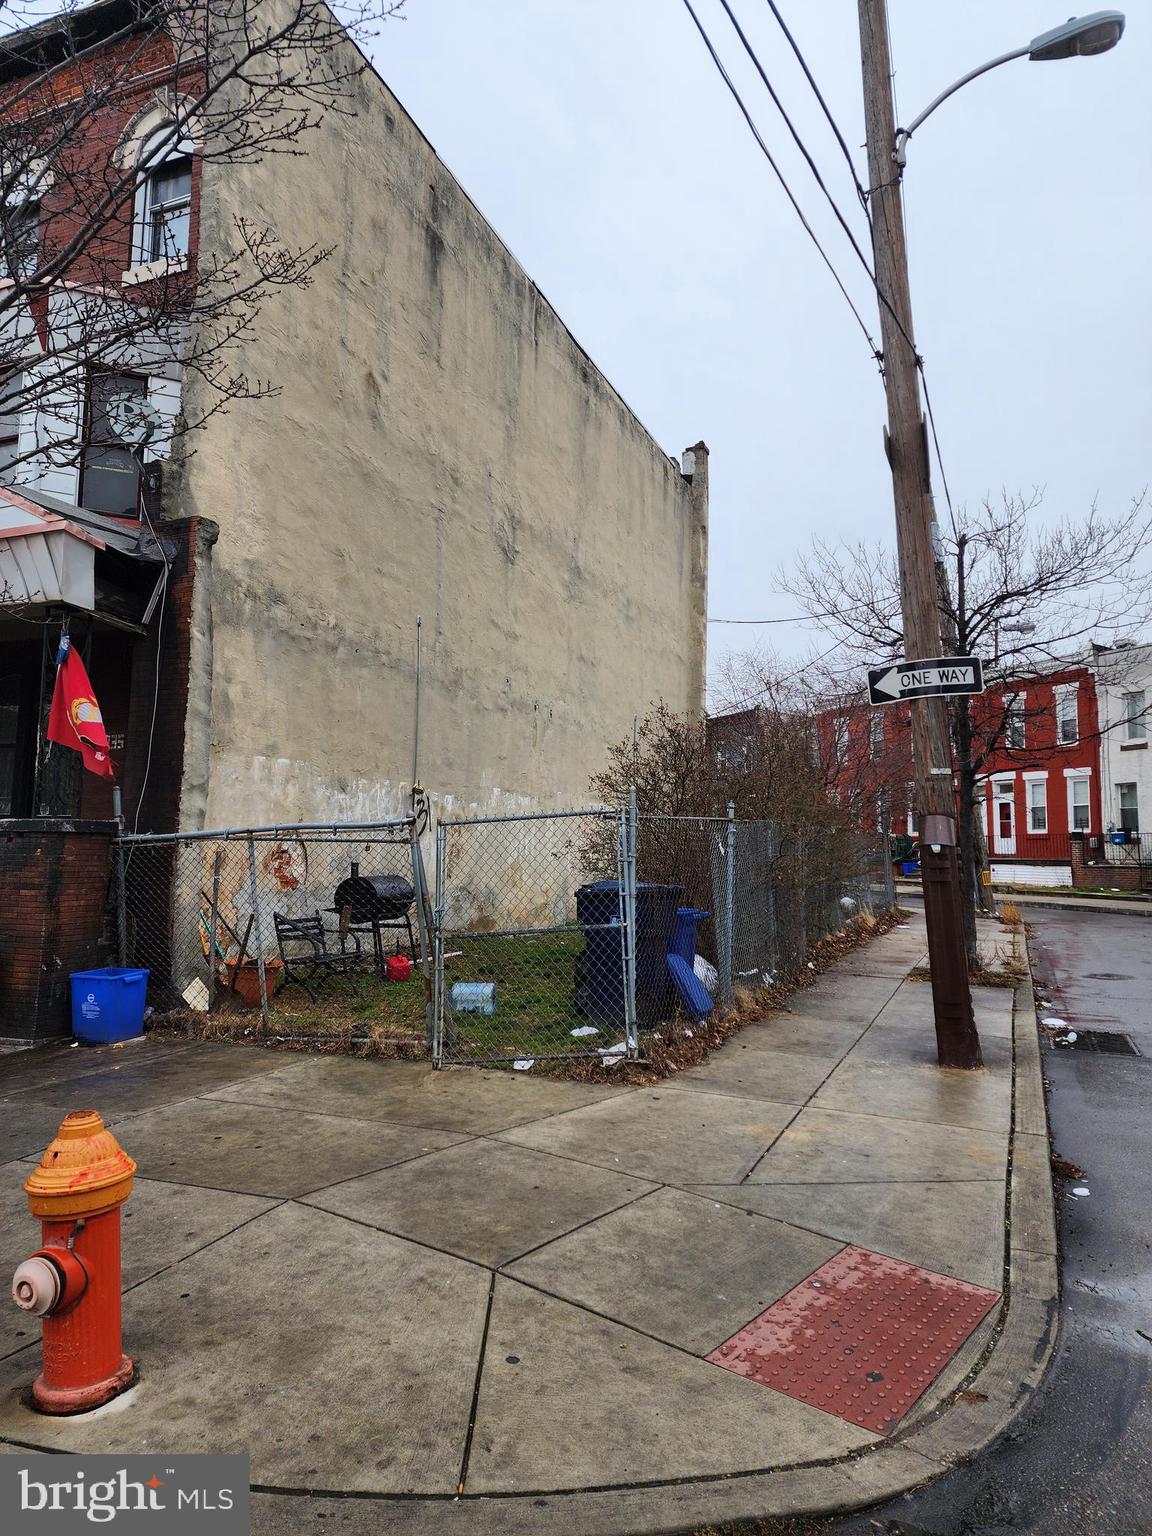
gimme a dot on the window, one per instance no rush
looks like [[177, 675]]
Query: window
[[840, 738], [876, 735], [1037, 805], [110, 473], [1067, 716], [163, 200], [1078, 805], [1135, 720], [1014, 721], [20, 239], [10, 391], [1128, 799]]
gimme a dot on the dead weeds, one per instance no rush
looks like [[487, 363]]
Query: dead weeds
[[682, 1045], [679, 1045]]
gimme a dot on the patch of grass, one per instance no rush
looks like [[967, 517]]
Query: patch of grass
[[535, 994]]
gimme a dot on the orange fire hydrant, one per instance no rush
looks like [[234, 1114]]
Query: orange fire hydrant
[[72, 1283]]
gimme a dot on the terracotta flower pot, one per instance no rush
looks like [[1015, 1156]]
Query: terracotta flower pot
[[247, 980]]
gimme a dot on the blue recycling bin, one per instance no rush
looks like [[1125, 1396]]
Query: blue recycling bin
[[688, 919], [108, 1004]]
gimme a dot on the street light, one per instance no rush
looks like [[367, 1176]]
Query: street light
[[1078, 37]]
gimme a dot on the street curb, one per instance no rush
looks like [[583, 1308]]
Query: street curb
[[1080, 901], [1055, 904], [981, 1407]]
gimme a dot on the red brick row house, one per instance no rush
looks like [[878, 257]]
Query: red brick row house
[[1044, 755], [1041, 781]]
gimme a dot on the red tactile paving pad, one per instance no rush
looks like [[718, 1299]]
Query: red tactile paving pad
[[863, 1337]]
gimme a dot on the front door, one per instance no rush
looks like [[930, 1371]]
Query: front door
[[1003, 819]]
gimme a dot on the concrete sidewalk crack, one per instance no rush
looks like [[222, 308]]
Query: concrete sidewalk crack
[[463, 1478]]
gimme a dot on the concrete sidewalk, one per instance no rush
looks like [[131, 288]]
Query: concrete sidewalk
[[483, 1302]]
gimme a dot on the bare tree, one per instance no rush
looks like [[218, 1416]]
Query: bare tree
[[1029, 597], [237, 81], [766, 761]]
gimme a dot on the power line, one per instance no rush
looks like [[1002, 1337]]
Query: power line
[[881, 296], [767, 153], [762, 693], [804, 618], [936, 446], [824, 107], [800, 144]]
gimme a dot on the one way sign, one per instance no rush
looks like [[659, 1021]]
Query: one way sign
[[917, 679]]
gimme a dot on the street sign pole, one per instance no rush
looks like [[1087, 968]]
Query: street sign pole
[[957, 1043]]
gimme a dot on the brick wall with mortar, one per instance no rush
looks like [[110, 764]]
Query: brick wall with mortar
[[54, 874], [85, 110], [1088, 876], [154, 749]]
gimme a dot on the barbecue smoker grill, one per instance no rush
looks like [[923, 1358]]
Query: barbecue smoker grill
[[371, 903]]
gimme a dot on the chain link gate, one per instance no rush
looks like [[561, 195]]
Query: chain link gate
[[531, 924]]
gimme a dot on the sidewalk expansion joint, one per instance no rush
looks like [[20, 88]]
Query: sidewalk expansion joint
[[475, 1404]]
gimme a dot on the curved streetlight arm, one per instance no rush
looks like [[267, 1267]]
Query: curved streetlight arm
[[900, 150]]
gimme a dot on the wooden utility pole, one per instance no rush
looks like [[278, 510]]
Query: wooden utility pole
[[958, 1044]]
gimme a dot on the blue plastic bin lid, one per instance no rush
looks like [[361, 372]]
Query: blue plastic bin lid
[[111, 973], [695, 912], [690, 987]]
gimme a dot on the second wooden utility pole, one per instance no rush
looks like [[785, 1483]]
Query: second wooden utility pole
[[958, 1044]]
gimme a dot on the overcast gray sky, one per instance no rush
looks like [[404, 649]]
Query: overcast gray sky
[[598, 139]]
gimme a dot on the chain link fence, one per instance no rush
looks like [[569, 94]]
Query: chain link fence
[[576, 934], [531, 959], [305, 931], [547, 936]]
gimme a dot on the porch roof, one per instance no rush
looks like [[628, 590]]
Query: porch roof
[[48, 549]]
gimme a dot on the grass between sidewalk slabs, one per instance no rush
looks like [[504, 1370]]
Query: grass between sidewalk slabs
[[387, 1019]]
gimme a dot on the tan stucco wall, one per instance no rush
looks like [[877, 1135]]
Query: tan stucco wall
[[442, 447]]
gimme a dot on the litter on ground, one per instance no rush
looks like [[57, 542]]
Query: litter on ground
[[1081, 1190], [585, 1029], [524, 1066]]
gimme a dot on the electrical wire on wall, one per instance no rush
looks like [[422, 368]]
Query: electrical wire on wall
[[156, 676]]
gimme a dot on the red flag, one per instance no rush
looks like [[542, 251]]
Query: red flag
[[75, 720]]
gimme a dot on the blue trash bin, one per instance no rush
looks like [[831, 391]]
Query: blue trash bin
[[108, 1004], [688, 919]]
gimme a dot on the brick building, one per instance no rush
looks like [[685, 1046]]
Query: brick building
[[437, 447], [1054, 773]]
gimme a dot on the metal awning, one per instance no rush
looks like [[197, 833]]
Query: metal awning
[[49, 550]]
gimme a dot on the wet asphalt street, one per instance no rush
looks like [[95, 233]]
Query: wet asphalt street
[[1078, 1462]]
